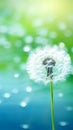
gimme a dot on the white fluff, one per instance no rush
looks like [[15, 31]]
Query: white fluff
[[37, 71]]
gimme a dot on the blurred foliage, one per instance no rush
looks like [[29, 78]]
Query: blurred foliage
[[25, 25]]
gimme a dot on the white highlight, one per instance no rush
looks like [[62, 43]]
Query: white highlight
[[28, 89], [63, 123], [60, 95], [16, 75], [62, 45], [26, 48], [23, 104], [25, 126], [6, 95]]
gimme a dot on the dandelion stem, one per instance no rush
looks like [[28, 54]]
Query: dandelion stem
[[52, 104]]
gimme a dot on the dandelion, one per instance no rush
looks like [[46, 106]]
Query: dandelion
[[55, 58], [49, 64]]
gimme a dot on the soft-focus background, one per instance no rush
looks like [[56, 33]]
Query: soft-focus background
[[25, 25]]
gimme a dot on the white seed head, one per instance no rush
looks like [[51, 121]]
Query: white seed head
[[53, 57]]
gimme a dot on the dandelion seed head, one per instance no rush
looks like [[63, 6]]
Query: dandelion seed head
[[55, 57], [49, 63]]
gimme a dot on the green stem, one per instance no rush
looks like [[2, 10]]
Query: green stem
[[52, 104]]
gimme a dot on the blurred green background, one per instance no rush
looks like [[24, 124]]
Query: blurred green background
[[25, 25]]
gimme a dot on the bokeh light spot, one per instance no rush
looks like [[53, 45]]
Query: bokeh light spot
[[60, 94], [16, 75], [63, 123], [26, 48], [23, 104], [28, 89], [25, 126], [6, 95]]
